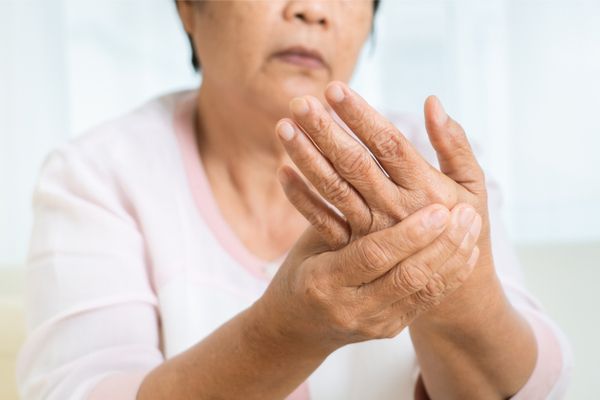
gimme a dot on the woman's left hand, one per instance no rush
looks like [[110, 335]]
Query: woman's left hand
[[347, 176]]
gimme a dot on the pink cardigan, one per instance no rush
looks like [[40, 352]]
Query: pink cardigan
[[131, 262]]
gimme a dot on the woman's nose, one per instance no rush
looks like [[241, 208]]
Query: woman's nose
[[309, 12]]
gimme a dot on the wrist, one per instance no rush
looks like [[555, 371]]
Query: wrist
[[471, 308], [265, 328]]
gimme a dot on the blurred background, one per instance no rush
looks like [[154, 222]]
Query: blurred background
[[522, 76]]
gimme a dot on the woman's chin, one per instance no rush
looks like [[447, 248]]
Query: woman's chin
[[276, 95], [301, 86], [306, 83]]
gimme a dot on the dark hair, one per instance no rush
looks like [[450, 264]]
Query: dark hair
[[196, 62]]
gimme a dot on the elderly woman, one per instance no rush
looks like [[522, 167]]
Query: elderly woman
[[168, 263]]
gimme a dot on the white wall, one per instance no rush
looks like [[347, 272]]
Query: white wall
[[555, 102], [521, 75], [66, 65], [33, 110]]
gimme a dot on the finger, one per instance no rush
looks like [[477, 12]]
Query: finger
[[450, 142], [450, 278], [369, 257], [438, 289], [324, 178], [421, 270], [403, 312], [331, 226], [458, 267], [393, 151], [348, 157]]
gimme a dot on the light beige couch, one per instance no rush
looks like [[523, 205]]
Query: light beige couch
[[12, 328]]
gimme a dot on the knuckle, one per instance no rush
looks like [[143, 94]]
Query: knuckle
[[320, 124], [395, 329], [390, 333], [313, 287], [409, 276], [372, 254], [336, 189], [479, 186], [462, 275], [388, 328], [417, 198], [314, 295], [456, 134], [430, 294], [475, 177], [413, 302], [306, 158], [442, 194], [381, 220], [403, 205], [404, 319], [361, 222], [423, 299], [318, 219], [367, 332], [387, 144], [357, 118], [435, 287], [344, 322], [354, 162]]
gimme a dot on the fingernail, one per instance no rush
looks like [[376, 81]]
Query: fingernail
[[475, 227], [473, 257], [299, 106], [441, 117], [465, 216], [335, 93], [437, 219], [286, 130]]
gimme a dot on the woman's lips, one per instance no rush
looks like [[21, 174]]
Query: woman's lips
[[301, 57]]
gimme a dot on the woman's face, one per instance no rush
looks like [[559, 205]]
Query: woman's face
[[266, 52]]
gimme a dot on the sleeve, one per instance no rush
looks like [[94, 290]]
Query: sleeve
[[554, 364], [552, 372], [93, 326]]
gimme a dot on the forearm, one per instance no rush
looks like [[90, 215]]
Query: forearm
[[488, 351], [241, 359]]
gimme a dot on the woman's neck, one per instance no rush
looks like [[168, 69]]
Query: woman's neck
[[239, 142], [241, 154]]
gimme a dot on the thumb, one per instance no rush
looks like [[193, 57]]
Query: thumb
[[452, 147]]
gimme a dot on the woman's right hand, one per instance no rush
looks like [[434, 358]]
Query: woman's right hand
[[374, 286]]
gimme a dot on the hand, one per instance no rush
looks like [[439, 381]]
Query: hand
[[369, 196], [373, 287], [461, 333]]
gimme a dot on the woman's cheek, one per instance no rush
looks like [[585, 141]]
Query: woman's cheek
[[345, 64], [352, 43]]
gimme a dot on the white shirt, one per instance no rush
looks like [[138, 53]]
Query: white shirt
[[131, 262]]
